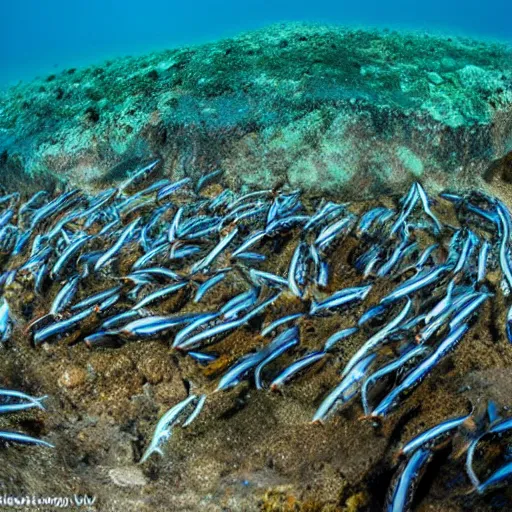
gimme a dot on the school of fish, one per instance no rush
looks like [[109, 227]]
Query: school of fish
[[155, 251]]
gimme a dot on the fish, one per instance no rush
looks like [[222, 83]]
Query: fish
[[154, 325], [159, 273], [17, 437], [331, 232], [202, 357], [508, 328], [54, 207], [415, 283], [469, 244], [285, 223], [372, 313], [397, 255], [394, 365], [22, 242], [468, 310], [164, 426], [103, 199], [378, 338], [101, 338], [296, 367], [219, 248], [33, 203], [324, 214], [199, 339], [167, 191], [139, 175], [426, 207], [230, 247], [504, 243], [259, 277], [433, 434], [410, 202], [126, 234], [482, 260], [207, 179], [40, 278], [71, 250], [500, 476], [36, 402], [9, 408], [141, 262], [120, 318], [162, 293], [97, 298], [251, 256], [297, 257], [401, 493], [368, 218], [5, 320], [425, 255], [452, 197], [201, 321], [275, 349], [239, 302], [416, 375], [322, 279], [235, 373], [62, 326], [249, 242], [65, 295], [340, 298], [338, 336], [344, 391], [209, 284], [280, 321]]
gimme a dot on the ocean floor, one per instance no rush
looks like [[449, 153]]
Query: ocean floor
[[403, 107], [249, 449]]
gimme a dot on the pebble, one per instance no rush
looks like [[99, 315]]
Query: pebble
[[127, 476], [72, 377]]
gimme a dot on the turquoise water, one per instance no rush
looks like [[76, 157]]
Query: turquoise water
[[40, 37]]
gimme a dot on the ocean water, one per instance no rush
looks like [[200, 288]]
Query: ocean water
[[40, 37]]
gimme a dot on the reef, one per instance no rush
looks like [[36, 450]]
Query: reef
[[326, 109]]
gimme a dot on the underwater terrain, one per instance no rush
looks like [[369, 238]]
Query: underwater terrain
[[323, 150]]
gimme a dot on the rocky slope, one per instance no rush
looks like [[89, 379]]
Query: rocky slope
[[329, 109]]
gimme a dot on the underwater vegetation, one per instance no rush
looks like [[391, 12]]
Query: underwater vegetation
[[195, 264]]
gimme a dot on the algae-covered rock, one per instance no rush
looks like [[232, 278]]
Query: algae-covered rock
[[325, 108]]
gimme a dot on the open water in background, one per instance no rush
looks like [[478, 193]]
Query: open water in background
[[39, 37]]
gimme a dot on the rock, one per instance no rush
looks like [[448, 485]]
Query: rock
[[73, 377], [154, 367], [347, 112], [128, 476], [435, 78]]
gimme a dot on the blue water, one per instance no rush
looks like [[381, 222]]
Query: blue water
[[39, 37]]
